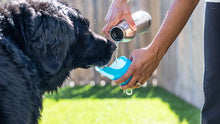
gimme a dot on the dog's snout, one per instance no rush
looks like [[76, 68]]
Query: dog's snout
[[112, 45]]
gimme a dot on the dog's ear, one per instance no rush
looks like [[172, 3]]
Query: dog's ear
[[50, 41]]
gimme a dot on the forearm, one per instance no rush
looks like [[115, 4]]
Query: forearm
[[175, 20]]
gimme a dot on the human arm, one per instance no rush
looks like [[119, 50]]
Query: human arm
[[146, 60]]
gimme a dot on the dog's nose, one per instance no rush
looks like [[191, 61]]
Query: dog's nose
[[112, 45]]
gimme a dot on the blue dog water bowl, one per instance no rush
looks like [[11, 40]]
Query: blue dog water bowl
[[116, 70]]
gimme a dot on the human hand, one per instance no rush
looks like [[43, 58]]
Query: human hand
[[144, 62], [119, 10]]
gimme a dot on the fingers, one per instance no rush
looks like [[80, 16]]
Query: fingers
[[131, 23], [107, 28], [130, 84], [112, 21], [110, 24], [137, 80], [118, 11], [126, 76], [141, 81]]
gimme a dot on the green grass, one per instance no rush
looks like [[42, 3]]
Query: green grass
[[109, 105]]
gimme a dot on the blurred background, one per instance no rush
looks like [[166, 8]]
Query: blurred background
[[174, 93]]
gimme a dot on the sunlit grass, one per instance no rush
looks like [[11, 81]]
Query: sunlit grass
[[108, 105]]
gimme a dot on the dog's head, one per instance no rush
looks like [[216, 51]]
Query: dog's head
[[57, 36]]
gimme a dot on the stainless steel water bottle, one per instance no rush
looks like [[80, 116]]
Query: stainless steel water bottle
[[123, 33]]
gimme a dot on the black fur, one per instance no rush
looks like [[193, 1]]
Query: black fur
[[40, 42]]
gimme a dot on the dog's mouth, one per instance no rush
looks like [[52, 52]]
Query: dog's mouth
[[113, 57], [108, 62], [106, 65], [89, 66], [101, 64]]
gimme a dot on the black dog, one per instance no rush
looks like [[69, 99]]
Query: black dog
[[40, 42]]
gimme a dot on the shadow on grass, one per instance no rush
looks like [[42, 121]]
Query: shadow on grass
[[180, 107]]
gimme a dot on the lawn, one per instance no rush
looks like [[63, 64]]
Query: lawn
[[109, 105]]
